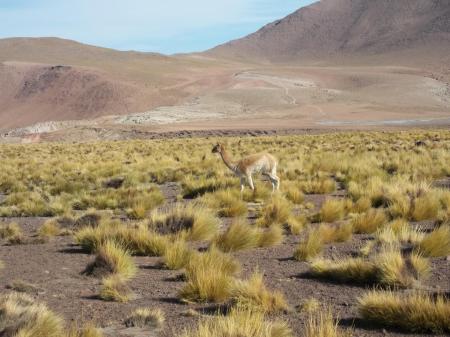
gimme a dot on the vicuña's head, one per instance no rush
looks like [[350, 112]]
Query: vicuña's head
[[218, 148]]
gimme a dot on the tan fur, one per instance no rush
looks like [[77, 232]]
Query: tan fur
[[263, 163]]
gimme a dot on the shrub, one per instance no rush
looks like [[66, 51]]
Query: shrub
[[413, 312]]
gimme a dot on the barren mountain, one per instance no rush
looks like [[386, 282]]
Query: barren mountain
[[333, 28]]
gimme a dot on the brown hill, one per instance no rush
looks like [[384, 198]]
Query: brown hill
[[333, 28], [51, 79]]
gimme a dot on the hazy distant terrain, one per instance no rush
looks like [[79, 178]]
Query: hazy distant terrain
[[334, 63]]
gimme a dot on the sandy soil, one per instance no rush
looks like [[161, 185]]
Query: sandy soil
[[56, 269]]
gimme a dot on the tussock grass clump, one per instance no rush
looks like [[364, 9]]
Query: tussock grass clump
[[309, 306], [295, 224], [295, 195], [227, 202], [254, 295], [322, 324], [273, 236], [146, 317], [196, 221], [240, 235], [437, 243], [112, 258], [413, 312], [137, 239], [209, 277], [319, 186], [399, 231], [339, 233], [369, 222], [49, 229], [239, 322], [12, 233], [115, 289], [87, 331], [259, 194], [389, 268], [332, 210], [310, 247], [21, 316], [177, 255], [276, 212], [426, 207]]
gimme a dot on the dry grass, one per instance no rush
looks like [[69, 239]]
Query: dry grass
[[146, 317], [295, 225], [209, 276], [322, 324], [426, 207], [388, 269], [437, 243], [310, 247], [240, 235], [369, 222], [177, 255], [114, 289], [12, 233], [112, 258], [254, 295], [295, 195], [87, 331], [49, 229], [309, 306], [239, 322], [413, 312], [23, 287], [21, 316], [137, 239], [276, 212], [196, 221], [227, 202], [340, 233], [332, 210]]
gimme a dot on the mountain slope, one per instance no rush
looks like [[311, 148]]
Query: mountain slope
[[331, 28]]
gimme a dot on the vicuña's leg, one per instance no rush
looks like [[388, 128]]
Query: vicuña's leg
[[242, 185], [250, 182], [274, 178]]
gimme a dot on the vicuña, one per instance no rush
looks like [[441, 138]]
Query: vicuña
[[263, 163]]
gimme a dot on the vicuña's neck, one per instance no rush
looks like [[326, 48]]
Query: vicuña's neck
[[227, 160]]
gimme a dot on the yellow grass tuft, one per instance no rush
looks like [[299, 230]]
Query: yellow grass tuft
[[239, 322], [276, 212], [295, 195], [369, 222], [332, 210], [437, 243], [177, 255], [413, 312], [196, 221], [112, 258], [426, 207], [227, 202], [295, 225], [12, 233], [310, 247], [87, 331], [146, 317], [254, 295], [21, 316], [240, 235], [114, 289], [389, 268], [273, 236], [322, 324], [309, 306], [49, 229]]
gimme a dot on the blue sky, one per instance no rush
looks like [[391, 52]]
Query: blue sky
[[166, 26]]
